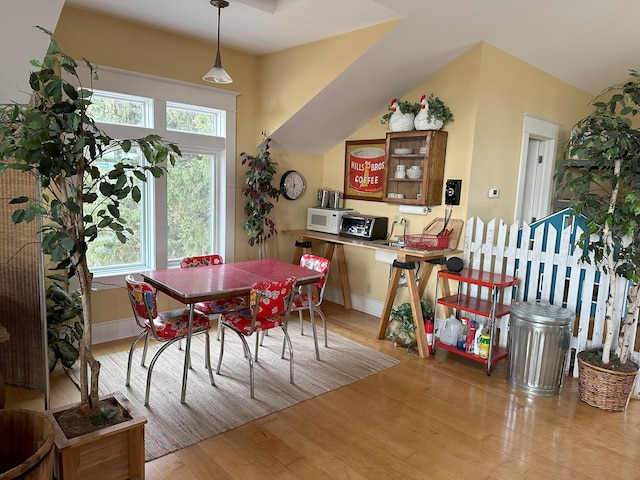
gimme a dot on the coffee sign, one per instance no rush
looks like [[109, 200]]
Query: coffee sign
[[364, 172]]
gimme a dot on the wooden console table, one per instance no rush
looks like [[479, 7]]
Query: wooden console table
[[406, 261]]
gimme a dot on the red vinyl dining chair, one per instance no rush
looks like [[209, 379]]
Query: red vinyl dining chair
[[165, 327], [212, 307], [301, 300], [269, 306]]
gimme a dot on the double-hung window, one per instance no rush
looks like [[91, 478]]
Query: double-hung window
[[188, 211]]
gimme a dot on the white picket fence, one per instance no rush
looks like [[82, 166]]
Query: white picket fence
[[549, 269]]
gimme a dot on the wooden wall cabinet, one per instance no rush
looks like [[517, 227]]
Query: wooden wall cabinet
[[425, 149]]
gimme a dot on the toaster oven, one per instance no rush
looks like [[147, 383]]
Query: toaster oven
[[365, 227]]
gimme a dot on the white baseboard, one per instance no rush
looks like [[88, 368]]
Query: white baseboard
[[358, 302], [114, 330]]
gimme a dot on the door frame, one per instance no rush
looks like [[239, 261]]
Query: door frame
[[547, 131]]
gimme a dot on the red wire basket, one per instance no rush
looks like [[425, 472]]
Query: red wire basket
[[426, 241]]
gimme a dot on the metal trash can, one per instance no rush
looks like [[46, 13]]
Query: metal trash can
[[539, 336]]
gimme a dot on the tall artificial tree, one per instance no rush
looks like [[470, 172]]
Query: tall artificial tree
[[56, 140], [604, 150], [260, 193]]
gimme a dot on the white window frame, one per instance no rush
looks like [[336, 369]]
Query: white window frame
[[167, 90]]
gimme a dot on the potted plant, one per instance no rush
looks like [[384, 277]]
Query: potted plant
[[604, 150], [400, 115], [260, 192], [58, 143], [433, 114], [401, 329]]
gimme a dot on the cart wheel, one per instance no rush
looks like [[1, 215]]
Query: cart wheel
[[489, 373]]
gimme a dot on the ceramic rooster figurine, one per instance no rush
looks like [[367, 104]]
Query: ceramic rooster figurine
[[423, 120], [400, 122]]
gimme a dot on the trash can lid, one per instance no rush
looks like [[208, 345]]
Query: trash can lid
[[542, 312]]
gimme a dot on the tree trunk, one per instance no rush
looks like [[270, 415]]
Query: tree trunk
[[89, 366], [262, 246], [626, 327], [262, 249], [611, 267], [611, 299]]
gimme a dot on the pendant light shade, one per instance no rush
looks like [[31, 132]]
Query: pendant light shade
[[218, 74]]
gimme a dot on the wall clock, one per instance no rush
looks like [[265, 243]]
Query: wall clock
[[292, 184]]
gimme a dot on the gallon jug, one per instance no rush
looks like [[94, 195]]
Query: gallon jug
[[450, 331]]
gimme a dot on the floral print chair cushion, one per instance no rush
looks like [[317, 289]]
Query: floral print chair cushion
[[301, 300], [318, 264], [212, 307], [268, 305], [167, 325]]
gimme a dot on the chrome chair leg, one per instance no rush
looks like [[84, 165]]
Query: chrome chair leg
[[219, 327], [222, 330], [315, 333], [144, 351], [131, 350], [258, 343], [324, 324], [151, 365], [247, 351], [207, 355], [288, 340]]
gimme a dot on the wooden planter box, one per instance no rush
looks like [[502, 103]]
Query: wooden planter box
[[115, 452]]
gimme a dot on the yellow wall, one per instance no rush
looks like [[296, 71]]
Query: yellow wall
[[487, 90], [290, 78], [112, 42], [116, 43], [509, 89]]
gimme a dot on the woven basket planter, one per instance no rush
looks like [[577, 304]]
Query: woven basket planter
[[602, 388]]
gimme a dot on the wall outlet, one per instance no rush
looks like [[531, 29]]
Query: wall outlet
[[368, 288], [494, 192]]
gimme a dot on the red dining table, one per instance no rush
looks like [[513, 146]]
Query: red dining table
[[214, 282]]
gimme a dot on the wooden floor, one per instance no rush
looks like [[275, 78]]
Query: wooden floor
[[439, 418]]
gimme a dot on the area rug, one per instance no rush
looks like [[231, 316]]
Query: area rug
[[210, 410]]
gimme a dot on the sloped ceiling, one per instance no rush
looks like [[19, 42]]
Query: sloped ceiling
[[20, 42], [586, 43]]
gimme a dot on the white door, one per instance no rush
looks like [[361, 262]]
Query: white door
[[537, 167]]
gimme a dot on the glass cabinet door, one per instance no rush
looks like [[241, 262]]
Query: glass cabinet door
[[414, 171]]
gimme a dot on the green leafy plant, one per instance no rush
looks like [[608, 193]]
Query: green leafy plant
[[104, 414], [404, 107], [260, 191], [437, 109], [402, 329], [59, 144], [64, 322], [604, 150]]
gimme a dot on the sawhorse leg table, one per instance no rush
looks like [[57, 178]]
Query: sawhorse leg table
[[406, 262]]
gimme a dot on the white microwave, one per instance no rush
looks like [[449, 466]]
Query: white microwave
[[325, 220]]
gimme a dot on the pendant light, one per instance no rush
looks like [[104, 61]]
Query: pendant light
[[217, 74]]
